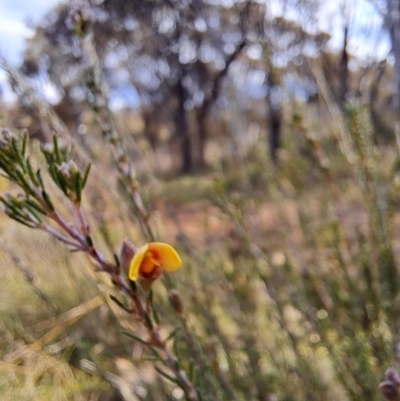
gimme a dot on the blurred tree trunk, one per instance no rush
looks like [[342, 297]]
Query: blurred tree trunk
[[392, 20], [374, 89], [204, 110], [202, 135], [182, 129], [274, 113], [383, 130], [344, 70]]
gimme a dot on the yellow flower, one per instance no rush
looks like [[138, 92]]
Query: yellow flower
[[152, 259]]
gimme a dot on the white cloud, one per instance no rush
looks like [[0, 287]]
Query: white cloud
[[14, 31], [12, 36], [7, 95], [13, 27], [10, 28]]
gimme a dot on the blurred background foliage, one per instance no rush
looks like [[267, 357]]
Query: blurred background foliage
[[269, 160]]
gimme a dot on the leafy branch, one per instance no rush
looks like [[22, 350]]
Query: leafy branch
[[34, 207]]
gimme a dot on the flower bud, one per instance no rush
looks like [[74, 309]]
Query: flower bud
[[389, 390], [47, 148], [392, 375], [176, 302], [68, 169], [6, 135], [389, 387], [126, 255]]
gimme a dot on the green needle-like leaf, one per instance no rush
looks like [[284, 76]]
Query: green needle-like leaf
[[86, 175], [78, 186], [119, 303], [166, 375], [30, 172], [47, 199], [172, 334], [36, 206], [56, 150], [24, 142]]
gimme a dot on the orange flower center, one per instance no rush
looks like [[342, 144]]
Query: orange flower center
[[149, 263]]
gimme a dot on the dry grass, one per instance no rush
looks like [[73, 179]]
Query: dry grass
[[275, 280]]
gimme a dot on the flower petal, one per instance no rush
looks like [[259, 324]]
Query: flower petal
[[166, 255], [137, 261]]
